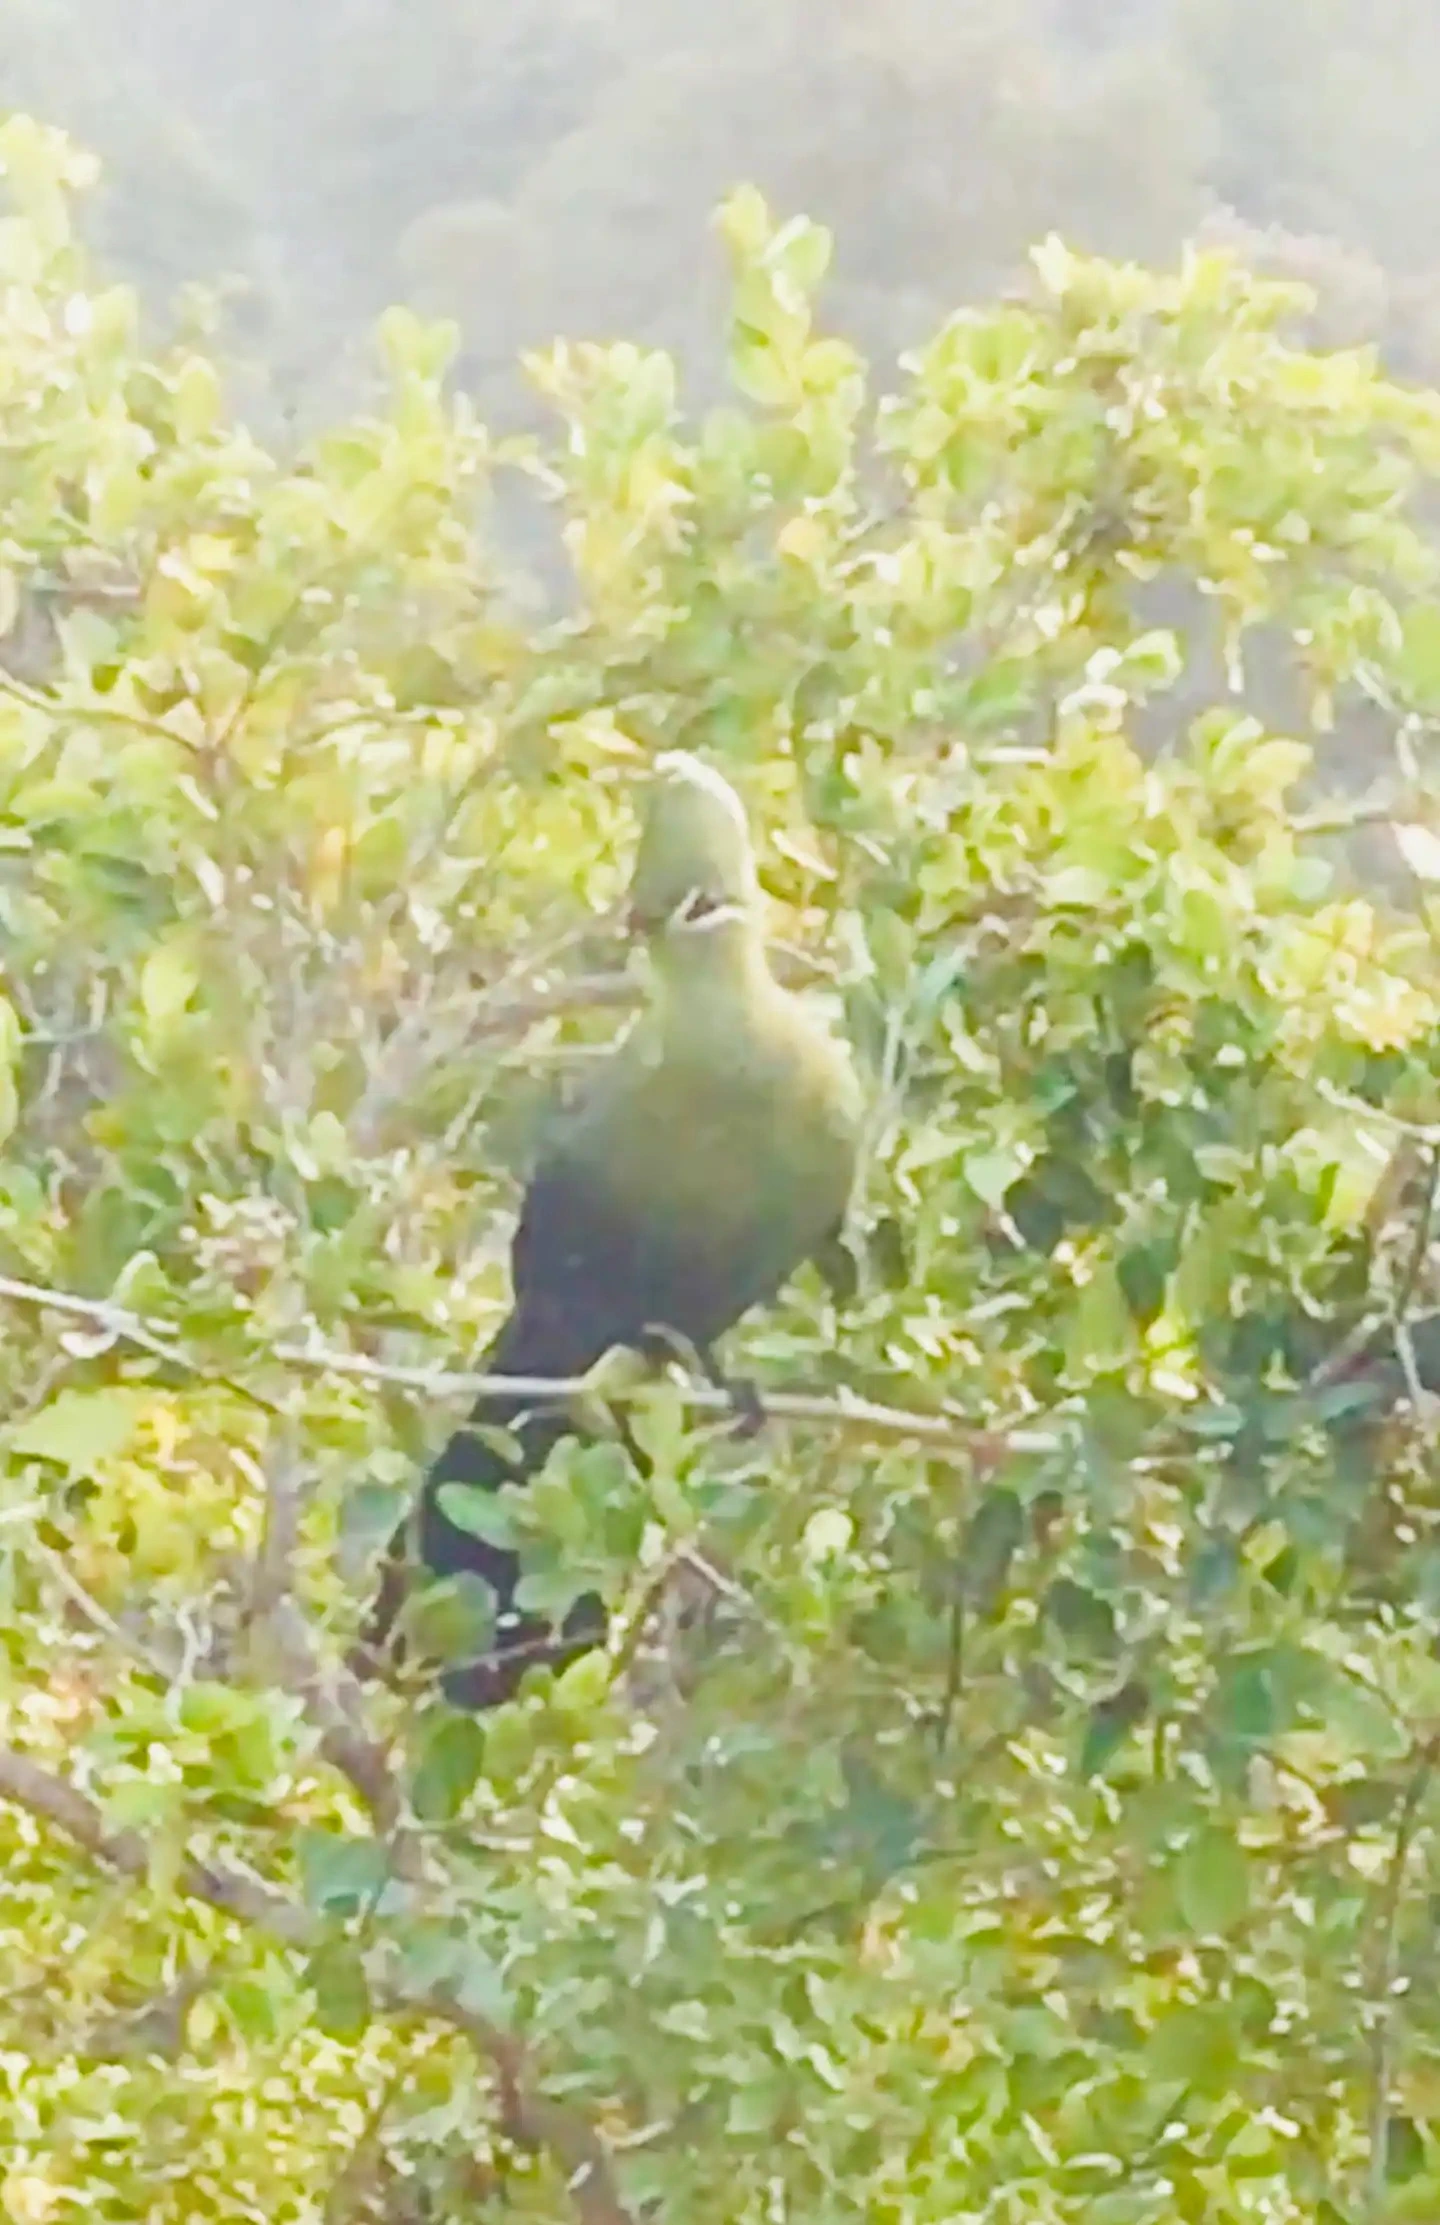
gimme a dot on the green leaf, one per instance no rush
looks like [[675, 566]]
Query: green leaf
[[991, 1173], [1151, 661], [197, 398], [1081, 1616], [168, 980], [451, 1760], [335, 1974], [1212, 1882], [584, 1684], [9, 1066], [1000, 694], [758, 368], [253, 2009], [1418, 664], [341, 1875], [991, 1542], [802, 250], [453, 1620], [371, 1513], [81, 1429], [1196, 2043], [421, 346], [1109, 1725], [1405, 2150], [744, 222], [479, 1512], [1102, 1332]]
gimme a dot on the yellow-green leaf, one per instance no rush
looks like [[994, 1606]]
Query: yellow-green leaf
[[168, 981], [1212, 1882], [80, 1429]]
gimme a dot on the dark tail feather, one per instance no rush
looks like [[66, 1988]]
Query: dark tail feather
[[473, 1457]]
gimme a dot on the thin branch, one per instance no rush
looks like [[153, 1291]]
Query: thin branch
[[27, 1786], [93, 714], [272, 1570], [1382, 2035], [1394, 1321], [1341, 821], [954, 1669], [334, 1703], [1421, 1242], [1352, 1346], [332, 1699], [1360, 1109], [1405, 1291], [532, 2119], [859, 1417], [121, 1325], [96, 1616], [119, 1322], [940, 1435]]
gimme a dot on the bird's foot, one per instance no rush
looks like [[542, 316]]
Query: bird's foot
[[744, 1396], [746, 1404]]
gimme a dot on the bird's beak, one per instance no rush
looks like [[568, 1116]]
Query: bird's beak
[[645, 923], [691, 916], [687, 922]]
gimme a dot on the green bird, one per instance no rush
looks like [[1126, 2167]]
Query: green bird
[[714, 1151]]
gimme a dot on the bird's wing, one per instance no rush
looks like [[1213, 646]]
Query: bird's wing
[[596, 1262], [576, 1269]]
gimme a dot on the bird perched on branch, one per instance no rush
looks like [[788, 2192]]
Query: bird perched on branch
[[713, 1153]]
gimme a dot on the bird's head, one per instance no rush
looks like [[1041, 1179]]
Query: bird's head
[[695, 868]]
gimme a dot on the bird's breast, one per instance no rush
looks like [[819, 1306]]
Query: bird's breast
[[746, 1161]]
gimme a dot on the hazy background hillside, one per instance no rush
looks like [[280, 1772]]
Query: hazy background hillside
[[535, 166]]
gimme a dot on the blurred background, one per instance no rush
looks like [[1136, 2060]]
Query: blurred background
[[534, 167]]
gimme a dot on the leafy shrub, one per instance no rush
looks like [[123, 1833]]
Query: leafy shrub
[[1045, 1826]]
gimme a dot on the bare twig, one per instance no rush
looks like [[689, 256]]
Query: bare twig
[[91, 714], [1395, 1320], [1343, 821], [331, 1697], [270, 1579], [118, 1321], [334, 1703], [27, 1786], [1405, 1290], [940, 1435], [156, 2026], [1360, 1109], [1382, 2032], [98, 1618], [532, 2119], [1352, 1346]]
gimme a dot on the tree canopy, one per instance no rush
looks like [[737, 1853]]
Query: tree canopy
[[1037, 1820]]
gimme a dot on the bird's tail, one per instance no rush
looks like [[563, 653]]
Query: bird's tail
[[476, 1455]]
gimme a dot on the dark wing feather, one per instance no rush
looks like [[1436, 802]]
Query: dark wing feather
[[587, 1275], [585, 1278]]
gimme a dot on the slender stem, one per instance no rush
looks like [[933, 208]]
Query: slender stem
[[1382, 2033], [939, 1434]]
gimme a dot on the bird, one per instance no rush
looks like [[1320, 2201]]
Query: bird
[[713, 1152]]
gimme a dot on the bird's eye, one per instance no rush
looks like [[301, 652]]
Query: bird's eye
[[698, 905]]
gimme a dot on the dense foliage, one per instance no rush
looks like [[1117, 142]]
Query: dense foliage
[[1039, 1823]]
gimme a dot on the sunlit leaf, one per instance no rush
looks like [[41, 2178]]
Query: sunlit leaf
[[81, 1429]]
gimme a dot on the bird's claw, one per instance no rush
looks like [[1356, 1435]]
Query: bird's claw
[[747, 1406]]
